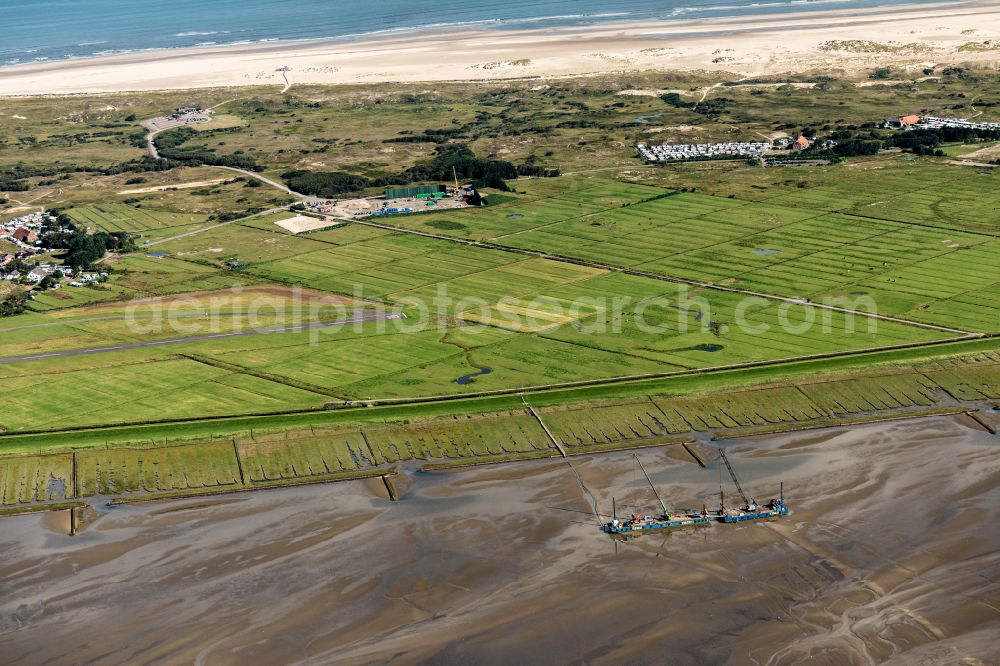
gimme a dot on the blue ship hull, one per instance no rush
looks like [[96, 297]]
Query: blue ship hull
[[627, 528], [755, 515]]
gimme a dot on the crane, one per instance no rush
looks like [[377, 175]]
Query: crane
[[750, 504], [662, 506]]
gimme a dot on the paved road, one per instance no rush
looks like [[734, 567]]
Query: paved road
[[151, 144], [151, 133], [263, 179], [154, 126], [363, 318]]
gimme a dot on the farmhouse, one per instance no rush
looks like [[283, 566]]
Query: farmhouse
[[903, 122], [24, 235], [801, 143]]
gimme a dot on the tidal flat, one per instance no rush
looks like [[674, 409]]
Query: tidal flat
[[891, 555]]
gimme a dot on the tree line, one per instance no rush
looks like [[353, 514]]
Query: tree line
[[170, 145], [922, 141], [12, 179], [449, 160]]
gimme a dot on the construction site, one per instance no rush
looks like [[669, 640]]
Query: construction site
[[398, 201]]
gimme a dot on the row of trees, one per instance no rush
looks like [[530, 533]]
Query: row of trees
[[918, 141], [324, 183], [428, 136]]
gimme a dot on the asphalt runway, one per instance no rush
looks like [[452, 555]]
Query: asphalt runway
[[364, 318]]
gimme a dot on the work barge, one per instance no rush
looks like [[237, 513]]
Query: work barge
[[750, 510]]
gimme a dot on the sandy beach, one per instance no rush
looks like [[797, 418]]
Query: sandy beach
[[888, 557], [905, 36]]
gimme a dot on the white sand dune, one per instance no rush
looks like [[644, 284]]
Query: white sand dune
[[911, 36]]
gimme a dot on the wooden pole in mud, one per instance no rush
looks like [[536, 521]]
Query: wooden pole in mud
[[697, 458], [389, 487], [76, 478], [239, 463]]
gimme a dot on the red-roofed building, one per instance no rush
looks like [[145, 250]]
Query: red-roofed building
[[25, 236], [801, 143], [907, 121]]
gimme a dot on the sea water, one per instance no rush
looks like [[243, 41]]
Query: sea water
[[44, 30]]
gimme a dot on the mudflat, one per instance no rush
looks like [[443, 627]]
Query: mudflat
[[891, 555]]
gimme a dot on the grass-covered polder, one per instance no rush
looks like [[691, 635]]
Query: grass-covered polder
[[185, 459], [964, 356], [856, 230]]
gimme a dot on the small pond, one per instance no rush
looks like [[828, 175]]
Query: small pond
[[469, 378]]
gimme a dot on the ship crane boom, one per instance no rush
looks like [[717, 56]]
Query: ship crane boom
[[662, 506], [732, 473]]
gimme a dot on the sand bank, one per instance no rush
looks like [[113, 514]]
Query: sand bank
[[908, 36]]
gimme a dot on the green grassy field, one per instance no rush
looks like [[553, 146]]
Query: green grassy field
[[398, 267], [121, 217], [902, 251], [529, 334], [128, 391], [972, 357], [274, 451]]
